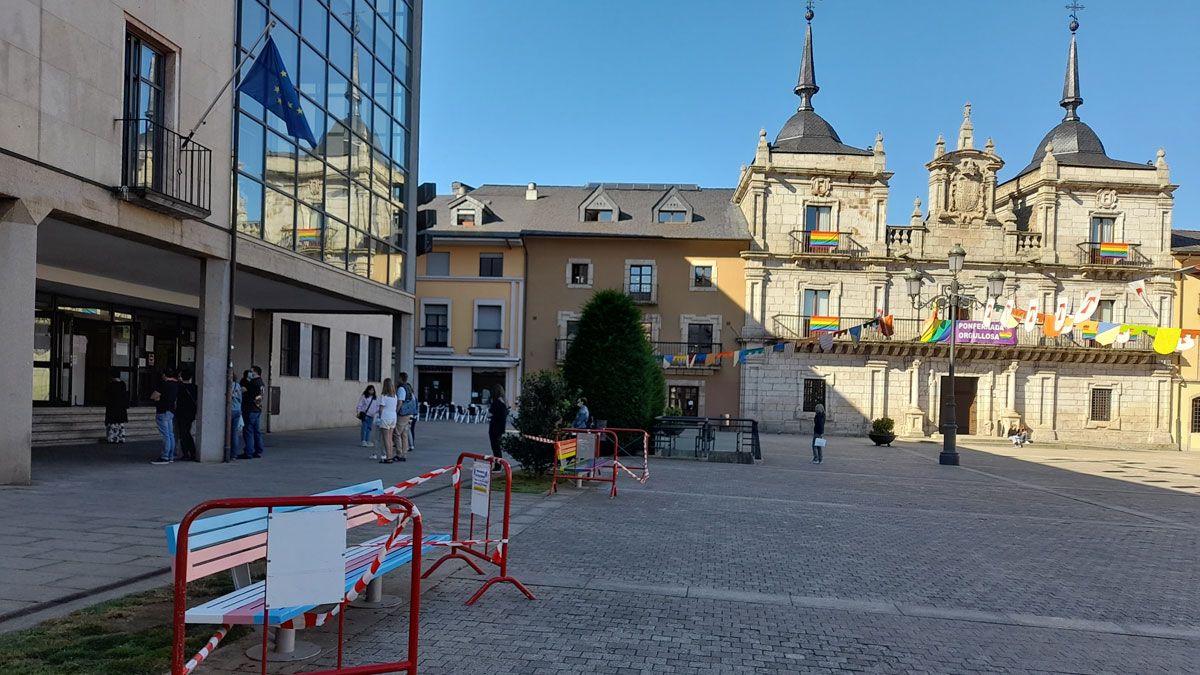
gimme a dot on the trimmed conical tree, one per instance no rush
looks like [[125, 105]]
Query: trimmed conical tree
[[611, 363]]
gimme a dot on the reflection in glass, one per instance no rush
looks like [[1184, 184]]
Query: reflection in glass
[[315, 116], [312, 75], [396, 275], [384, 42], [359, 253], [247, 104], [400, 101], [337, 195], [381, 219], [337, 100], [401, 60], [250, 146], [402, 21], [309, 231], [288, 10], [310, 177], [249, 206], [360, 206], [121, 337], [335, 243], [280, 211], [41, 338], [364, 24], [281, 164], [379, 261], [339, 46], [313, 23], [398, 179], [399, 146], [254, 20]]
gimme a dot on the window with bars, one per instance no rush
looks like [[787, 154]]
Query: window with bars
[[289, 348], [1196, 415], [320, 352], [814, 393], [1101, 408]]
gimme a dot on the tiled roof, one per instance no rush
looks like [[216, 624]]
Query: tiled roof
[[556, 211]]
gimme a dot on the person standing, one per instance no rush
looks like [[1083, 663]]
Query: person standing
[[583, 416], [387, 420], [185, 415], [116, 408], [818, 434], [366, 410], [252, 437], [236, 423], [497, 422], [406, 407], [164, 397]]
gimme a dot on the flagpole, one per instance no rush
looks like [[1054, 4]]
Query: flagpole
[[249, 55]]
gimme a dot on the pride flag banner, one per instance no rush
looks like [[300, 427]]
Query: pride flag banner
[[821, 239], [1113, 251], [822, 323], [308, 236]]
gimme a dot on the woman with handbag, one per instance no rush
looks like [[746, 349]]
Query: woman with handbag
[[367, 409], [818, 442], [388, 405]]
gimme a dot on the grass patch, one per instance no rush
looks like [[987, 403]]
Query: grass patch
[[529, 484], [126, 636]]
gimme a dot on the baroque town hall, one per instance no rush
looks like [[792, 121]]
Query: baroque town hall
[[1042, 229]]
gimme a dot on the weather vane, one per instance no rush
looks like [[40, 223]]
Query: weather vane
[[1074, 8], [808, 10]]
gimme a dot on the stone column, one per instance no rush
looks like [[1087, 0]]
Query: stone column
[[914, 417], [213, 359], [18, 278], [1010, 417]]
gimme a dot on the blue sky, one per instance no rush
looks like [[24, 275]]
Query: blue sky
[[574, 91]]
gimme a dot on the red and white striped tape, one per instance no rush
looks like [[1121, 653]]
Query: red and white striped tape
[[642, 478], [207, 648], [539, 439]]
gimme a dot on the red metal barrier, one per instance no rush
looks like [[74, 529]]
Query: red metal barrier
[[406, 511], [603, 469], [459, 546]]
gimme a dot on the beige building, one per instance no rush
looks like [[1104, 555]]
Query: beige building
[[471, 299], [123, 249], [1186, 410], [673, 248], [823, 247]]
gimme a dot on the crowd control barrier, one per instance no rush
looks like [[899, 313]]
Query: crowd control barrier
[[251, 541], [581, 454]]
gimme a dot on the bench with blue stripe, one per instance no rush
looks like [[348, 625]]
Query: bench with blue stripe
[[231, 541]]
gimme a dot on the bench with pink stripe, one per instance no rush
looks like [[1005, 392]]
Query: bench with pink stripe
[[231, 541]]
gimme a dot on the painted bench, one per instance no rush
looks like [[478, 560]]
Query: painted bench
[[231, 541]]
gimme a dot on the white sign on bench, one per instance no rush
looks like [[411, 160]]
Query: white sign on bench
[[305, 558]]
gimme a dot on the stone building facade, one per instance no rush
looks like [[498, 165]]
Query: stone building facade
[[822, 246]]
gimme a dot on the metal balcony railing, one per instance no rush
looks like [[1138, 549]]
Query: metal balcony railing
[[489, 338], [1112, 254], [794, 326], [824, 243], [690, 348], [164, 171]]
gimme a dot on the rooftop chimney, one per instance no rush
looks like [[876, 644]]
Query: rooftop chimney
[[531, 192], [458, 189]]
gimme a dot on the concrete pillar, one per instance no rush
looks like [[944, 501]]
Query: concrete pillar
[[18, 278], [213, 358]]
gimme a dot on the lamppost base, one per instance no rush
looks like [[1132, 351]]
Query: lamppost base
[[948, 458]]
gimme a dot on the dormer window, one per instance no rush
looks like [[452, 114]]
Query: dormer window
[[672, 216], [598, 215], [672, 207], [465, 219]]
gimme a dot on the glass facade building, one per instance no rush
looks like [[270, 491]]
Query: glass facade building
[[342, 202]]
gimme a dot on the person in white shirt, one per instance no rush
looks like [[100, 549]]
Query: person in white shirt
[[388, 404], [400, 436], [366, 410]]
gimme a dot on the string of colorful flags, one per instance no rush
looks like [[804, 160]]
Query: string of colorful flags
[[996, 329]]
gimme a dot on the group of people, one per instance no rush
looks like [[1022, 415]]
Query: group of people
[[1019, 435], [245, 413], [394, 412], [176, 404]]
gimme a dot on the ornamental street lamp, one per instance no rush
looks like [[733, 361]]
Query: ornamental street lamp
[[950, 300]]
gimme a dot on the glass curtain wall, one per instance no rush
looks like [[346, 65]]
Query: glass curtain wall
[[341, 202]]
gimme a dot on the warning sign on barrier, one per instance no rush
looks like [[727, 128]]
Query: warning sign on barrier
[[481, 485]]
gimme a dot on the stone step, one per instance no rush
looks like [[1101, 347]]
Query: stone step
[[85, 424]]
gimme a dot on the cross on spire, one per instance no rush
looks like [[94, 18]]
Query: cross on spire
[[1074, 8]]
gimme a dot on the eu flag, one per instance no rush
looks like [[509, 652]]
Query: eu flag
[[268, 83]]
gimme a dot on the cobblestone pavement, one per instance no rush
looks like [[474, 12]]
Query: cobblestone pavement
[[878, 560], [91, 525]]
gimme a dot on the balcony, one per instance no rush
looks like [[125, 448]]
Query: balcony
[[1112, 254], [812, 242], [561, 345], [1030, 345], [489, 338], [163, 171]]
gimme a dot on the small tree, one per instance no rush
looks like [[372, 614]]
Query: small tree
[[543, 406], [611, 362]]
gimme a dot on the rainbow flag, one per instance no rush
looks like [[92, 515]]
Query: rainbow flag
[[820, 323], [308, 236], [819, 239], [936, 330], [1114, 251]]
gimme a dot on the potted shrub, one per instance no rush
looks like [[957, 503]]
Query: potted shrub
[[882, 431]]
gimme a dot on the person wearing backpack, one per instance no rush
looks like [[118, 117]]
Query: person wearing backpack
[[405, 409]]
